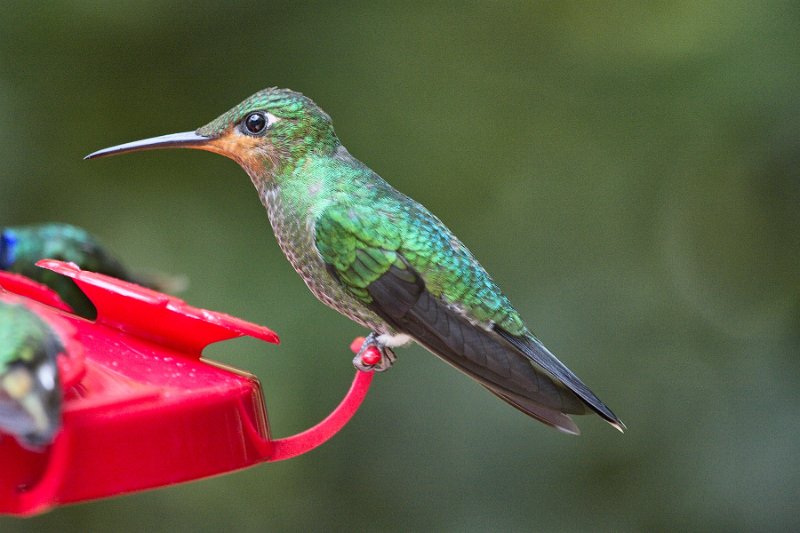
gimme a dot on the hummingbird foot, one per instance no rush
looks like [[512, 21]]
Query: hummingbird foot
[[374, 356]]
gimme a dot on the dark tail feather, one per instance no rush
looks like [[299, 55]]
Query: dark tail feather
[[534, 350], [556, 419]]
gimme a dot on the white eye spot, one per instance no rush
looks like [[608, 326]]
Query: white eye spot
[[47, 376], [257, 123]]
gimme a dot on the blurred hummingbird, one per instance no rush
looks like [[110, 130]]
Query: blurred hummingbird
[[30, 394], [382, 259], [21, 247]]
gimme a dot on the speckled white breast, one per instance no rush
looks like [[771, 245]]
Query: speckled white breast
[[295, 232]]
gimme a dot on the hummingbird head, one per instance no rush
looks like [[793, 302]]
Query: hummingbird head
[[266, 133], [30, 393]]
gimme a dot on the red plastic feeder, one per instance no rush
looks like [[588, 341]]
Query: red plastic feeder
[[141, 409]]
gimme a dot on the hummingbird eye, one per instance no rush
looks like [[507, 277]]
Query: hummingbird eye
[[255, 123]]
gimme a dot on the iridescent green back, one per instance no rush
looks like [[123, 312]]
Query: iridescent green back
[[21, 247]]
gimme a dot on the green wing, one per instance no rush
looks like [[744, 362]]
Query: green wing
[[358, 248], [360, 245]]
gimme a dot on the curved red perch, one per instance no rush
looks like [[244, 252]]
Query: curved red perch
[[142, 409], [311, 438]]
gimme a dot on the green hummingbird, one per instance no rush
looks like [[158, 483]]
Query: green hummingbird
[[30, 393], [21, 247], [382, 259]]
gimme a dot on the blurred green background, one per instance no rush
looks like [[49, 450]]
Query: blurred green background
[[629, 173]]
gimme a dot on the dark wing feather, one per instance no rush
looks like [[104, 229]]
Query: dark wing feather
[[400, 297]]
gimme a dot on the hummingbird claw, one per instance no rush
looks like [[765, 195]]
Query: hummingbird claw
[[374, 356]]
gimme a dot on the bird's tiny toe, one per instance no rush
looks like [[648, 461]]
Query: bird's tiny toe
[[386, 361], [374, 356]]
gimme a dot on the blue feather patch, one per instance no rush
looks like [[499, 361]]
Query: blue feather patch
[[8, 245]]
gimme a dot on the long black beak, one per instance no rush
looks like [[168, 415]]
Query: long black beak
[[187, 139]]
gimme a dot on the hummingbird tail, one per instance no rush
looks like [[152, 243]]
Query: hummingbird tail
[[551, 417], [534, 350]]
